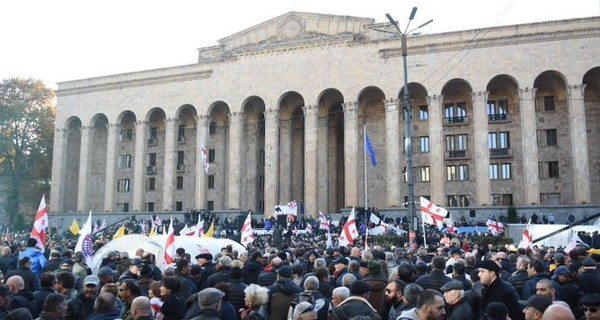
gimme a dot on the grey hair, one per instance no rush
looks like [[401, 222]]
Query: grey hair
[[347, 279], [342, 292], [320, 262], [256, 294], [311, 283]]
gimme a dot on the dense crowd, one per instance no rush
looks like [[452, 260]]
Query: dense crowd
[[288, 275]]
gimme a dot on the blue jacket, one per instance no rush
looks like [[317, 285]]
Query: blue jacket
[[37, 258]]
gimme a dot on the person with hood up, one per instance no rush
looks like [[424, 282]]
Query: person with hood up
[[357, 304], [282, 293], [378, 282]]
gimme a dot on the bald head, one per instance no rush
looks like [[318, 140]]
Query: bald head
[[558, 312], [140, 307], [15, 283]]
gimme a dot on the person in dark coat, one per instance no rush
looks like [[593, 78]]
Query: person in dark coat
[[236, 289], [5, 298], [357, 304], [210, 300], [458, 308], [588, 279], [325, 286], [520, 276], [537, 272], [204, 260], [7, 262], [282, 293], [311, 291], [497, 290], [223, 272], [268, 277], [173, 307], [82, 305], [188, 285], [378, 282], [252, 268], [46, 288], [105, 307], [22, 297], [30, 279], [436, 278], [54, 262], [54, 307]]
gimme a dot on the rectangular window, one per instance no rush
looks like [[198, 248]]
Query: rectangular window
[[150, 206], [126, 135], [455, 113], [463, 172], [456, 142], [551, 137], [123, 207], [179, 183], [549, 103], [181, 134], [153, 136], [179, 206], [460, 200], [261, 182], [422, 174], [550, 198], [452, 201], [498, 140], [123, 185], [261, 156], [457, 172], [210, 205], [497, 110], [180, 162], [151, 184], [423, 144], [151, 159], [501, 199], [212, 128], [494, 171], [505, 172], [211, 155], [423, 112], [124, 161], [553, 169], [211, 181]]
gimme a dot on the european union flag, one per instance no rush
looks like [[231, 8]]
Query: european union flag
[[370, 151]]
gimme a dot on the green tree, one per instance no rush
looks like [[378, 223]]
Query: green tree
[[27, 117]]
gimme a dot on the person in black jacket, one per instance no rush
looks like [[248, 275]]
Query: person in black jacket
[[173, 307], [458, 308], [105, 307], [54, 307], [204, 260], [222, 274], [252, 268], [23, 298], [496, 290], [82, 305], [47, 288], [236, 290], [30, 279], [436, 278]]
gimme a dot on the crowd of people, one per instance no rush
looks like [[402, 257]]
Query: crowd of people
[[296, 276]]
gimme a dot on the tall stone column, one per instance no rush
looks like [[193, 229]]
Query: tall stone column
[[311, 151], [111, 159], [202, 124], [139, 165], [392, 141], [271, 160], [58, 165], [436, 153], [480, 147], [579, 143], [234, 165], [531, 181], [169, 168], [351, 171], [84, 164]]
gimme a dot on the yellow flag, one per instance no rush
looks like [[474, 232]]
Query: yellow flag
[[120, 232], [211, 230], [151, 234], [74, 228]]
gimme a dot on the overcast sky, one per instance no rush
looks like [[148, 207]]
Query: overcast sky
[[63, 40]]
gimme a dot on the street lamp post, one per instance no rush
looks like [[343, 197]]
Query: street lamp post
[[410, 191]]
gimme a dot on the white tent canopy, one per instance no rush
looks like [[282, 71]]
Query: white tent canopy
[[156, 245]]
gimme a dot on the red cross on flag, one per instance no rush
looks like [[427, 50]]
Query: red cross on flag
[[349, 232], [170, 245], [495, 227], [526, 238], [247, 236], [432, 214], [40, 224]]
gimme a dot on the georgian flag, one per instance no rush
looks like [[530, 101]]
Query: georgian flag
[[495, 227], [170, 245], [526, 238], [323, 224], [432, 214], [247, 236], [40, 224], [188, 231], [308, 228], [349, 232]]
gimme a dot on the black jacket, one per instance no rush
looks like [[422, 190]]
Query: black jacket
[[173, 308], [354, 306], [236, 294], [111, 315], [24, 299], [79, 307], [31, 280], [223, 275], [460, 311], [39, 297], [518, 280], [501, 291], [266, 279], [589, 281], [433, 280], [251, 271], [281, 295]]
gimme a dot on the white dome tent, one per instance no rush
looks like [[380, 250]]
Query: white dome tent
[[156, 245]]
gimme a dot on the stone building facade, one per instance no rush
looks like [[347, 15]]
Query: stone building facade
[[501, 116]]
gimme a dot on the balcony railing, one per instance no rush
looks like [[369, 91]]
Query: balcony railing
[[500, 153], [151, 169], [455, 120], [180, 168], [457, 154], [497, 117], [181, 140], [153, 142]]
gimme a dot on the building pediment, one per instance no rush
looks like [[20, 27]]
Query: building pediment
[[286, 29]]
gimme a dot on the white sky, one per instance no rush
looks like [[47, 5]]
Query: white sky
[[63, 40]]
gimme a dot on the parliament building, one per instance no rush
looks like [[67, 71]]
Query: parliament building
[[501, 116]]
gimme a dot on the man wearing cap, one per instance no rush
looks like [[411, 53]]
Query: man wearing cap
[[588, 279], [569, 290], [5, 299], [496, 290], [282, 293], [376, 280], [82, 305], [357, 304], [455, 256], [535, 307], [204, 260], [340, 269], [458, 307], [135, 265], [209, 301], [106, 275], [590, 304]]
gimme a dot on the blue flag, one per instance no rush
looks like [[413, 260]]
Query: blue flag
[[370, 151]]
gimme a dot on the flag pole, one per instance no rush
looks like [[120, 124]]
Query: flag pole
[[365, 163], [424, 234]]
